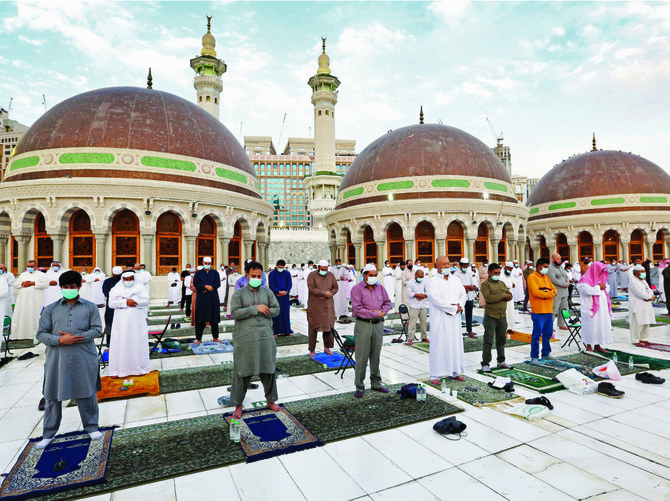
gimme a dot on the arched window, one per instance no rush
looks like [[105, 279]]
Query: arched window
[[562, 247], [351, 250], [44, 246], [235, 246], [396, 244], [502, 247], [15, 256], [659, 246], [544, 249], [585, 243], [425, 243], [481, 250], [455, 241], [636, 246], [205, 243], [370, 246], [82, 242], [125, 239], [168, 243], [611, 245]]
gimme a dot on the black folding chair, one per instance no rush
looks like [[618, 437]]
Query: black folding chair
[[347, 351], [158, 336], [403, 312], [102, 346], [7, 334], [574, 325]]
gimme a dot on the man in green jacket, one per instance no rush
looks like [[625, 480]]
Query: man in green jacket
[[496, 294]]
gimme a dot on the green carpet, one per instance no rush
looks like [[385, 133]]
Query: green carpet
[[19, 344], [585, 362], [655, 364], [623, 324], [469, 344], [526, 379], [663, 319], [475, 392], [150, 453]]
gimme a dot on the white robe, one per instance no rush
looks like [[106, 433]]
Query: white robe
[[351, 282], [29, 302], [596, 330], [11, 279], [85, 291], [639, 290], [511, 313], [144, 278], [303, 292], [295, 274], [612, 280], [447, 357], [517, 292], [398, 285], [389, 282], [222, 290], [624, 278], [129, 343], [232, 280], [340, 300], [5, 296], [96, 279], [52, 292], [174, 292]]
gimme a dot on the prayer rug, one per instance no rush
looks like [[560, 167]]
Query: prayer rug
[[582, 362], [265, 434], [657, 346], [622, 323], [475, 392], [143, 386], [211, 347], [70, 461], [331, 361], [541, 384], [655, 364], [524, 337], [663, 319], [19, 344], [469, 344]]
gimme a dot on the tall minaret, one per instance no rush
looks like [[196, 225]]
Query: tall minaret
[[324, 182], [208, 71]]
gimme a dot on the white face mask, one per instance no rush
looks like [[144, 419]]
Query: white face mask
[[128, 283], [544, 271], [371, 280]]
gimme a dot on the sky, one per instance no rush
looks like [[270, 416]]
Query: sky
[[547, 74]]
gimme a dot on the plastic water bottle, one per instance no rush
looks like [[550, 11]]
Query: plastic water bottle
[[421, 393], [631, 365], [615, 359], [443, 385], [234, 430]]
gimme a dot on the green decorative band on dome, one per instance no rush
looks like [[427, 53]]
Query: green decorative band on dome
[[169, 163], [450, 183], [495, 186], [86, 158], [353, 193], [24, 162], [564, 205], [395, 185], [608, 201], [653, 200], [535, 210], [232, 175]]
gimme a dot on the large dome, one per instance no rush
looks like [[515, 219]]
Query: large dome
[[600, 174]]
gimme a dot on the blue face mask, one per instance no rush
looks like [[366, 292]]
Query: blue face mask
[[419, 279], [30, 270], [445, 271], [495, 278]]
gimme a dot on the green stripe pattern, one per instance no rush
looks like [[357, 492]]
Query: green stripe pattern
[[495, 186], [450, 183], [230, 174], [169, 163], [352, 193], [608, 201], [563, 205], [24, 162], [654, 200], [86, 158], [395, 185]]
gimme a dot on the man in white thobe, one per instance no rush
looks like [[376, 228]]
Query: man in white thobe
[[303, 292], [143, 277], [174, 281], [85, 291], [506, 277], [517, 277], [5, 293], [129, 344], [95, 281], [234, 276], [295, 278], [398, 283], [446, 296], [388, 280], [406, 275], [641, 310], [612, 278], [29, 287], [596, 309], [340, 300], [52, 292], [223, 275]]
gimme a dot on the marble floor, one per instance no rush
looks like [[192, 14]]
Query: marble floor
[[589, 447]]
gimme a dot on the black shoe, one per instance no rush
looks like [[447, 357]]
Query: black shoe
[[509, 387], [449, 425], [608, 390], [41, 405], [540, 401], [171, 326], [647, 378]]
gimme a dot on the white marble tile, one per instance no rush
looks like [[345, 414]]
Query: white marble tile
[[112, 412], [163, 490], [100, 497], [411, 490], [185, 402], [510, 425], [210, 396], [210, 484], [19, 422], [453, 451], [20, 394], [265, 480], [446, 484], [9, 452], [618, 495], [310, 384], [528, 459], [581, 485], [140, 409], [636, 435]]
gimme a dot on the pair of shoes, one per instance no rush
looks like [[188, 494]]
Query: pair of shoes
[[509, 387], [358, 394], [486, 369], [381, 389], [409, 343], [608, 390], [504, 366], [187, 319], [458, 378], [28, 355], [425, 340], [540, 401], [648, 378], [600, 349], [171, 326], [548, 357]]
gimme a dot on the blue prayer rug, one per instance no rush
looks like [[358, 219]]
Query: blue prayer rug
[[333, 361], [265, 434], [210, 347], [71, 460]]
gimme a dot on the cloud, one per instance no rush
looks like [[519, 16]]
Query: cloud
[[36, 43], [558, 31], [450, 11]]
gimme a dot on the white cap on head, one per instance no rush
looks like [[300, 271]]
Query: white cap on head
[[323, 262], [206, 259], [465, 260], [638, 267], [117, 270], [199, 268], [516, 260], [509, 263], [127, 274], [369, 267]]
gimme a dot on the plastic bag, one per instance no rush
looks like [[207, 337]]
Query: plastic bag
[[576, 382], [608, 370], [531, 412]]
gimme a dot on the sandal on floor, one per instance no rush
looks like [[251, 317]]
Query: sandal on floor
[[540, 401]]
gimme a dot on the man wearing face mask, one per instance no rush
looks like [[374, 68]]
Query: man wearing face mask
[[498, 296], [517, 276], [541, 293], [406, 276], [483, 276], [559, 277], [107, 287], [5, 293], [322, 286], [142, 276], [52, 292], [447, 298], [223, 276], [340, 300], [526, 273], [506, 278], [612, 278], [369, 302], [207, 308], [468, 281], [29, 287], [641, 309], [280, 282], [129, 343], [303, 292], [68, 328], [397, 293], [388, 276], [418, 304]]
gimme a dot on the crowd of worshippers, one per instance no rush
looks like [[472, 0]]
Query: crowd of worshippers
[[66, 311]]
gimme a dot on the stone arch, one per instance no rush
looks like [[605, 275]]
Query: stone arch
[[584, 247], [342, 232], [181, 214], [494, 234], [245, 226], [361, 230], [6, 220], [216, 215], [391, 220], [67, 211], [420, 219], [108, 218], [467, 231], [261, 235], [26, 219]]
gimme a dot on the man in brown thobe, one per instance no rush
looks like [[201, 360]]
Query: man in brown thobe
[[322, 286]]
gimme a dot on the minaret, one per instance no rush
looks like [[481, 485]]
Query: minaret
[[324, 182], [208, 70]]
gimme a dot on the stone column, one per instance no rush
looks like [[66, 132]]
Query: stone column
[[649, 249], [410, 251], [190, 251], [469, 250], [359, 255], [100, 254], [247, 250], [493, 250], [225, 241], [263, 253], [511, 250], [22, 241], [441, 247], [624, 250], [148, 252], [3, 251], [597, 251], [333, 254], [522, 252], [381, 254], [58, 239], [342, 252]]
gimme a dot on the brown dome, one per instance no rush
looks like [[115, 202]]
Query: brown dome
[[135, 118], [600, 173], [424, 150]]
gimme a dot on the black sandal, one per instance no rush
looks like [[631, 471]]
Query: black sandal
[[540, 401]]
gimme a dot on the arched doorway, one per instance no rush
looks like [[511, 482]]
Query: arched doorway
[[425, 243], [82, 242], [636, 246], [544, 249], [454, 241], [611, 245], [168, 243], [396, 244], [351, 250], [235, 246], [481, 250], [125, 239], [15, 256], [369, 246], [205, 243], [44, 246], [502, 246], [585, 244], [659, 246], [562, 247]]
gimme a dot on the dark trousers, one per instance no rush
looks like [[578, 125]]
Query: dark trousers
[[53, 412], [200, 326], [570, 289], [469, 305], [494, 327], [328, 339], [525, 299], [238, 389], [183, 297], [543, 327], [188, 305]]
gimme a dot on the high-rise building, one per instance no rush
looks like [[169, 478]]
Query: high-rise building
[[11, 133], [503, 153], [208, 70], [523, 187]]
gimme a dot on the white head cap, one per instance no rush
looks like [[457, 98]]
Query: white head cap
[[369, 267], [465, 260], [638, 267], [117, 270], [199, 268], [323, 262], [127, 274], [206, 259], [509, 263]]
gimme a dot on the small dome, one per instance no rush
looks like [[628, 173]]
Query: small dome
[[208, 45], [324, 61]]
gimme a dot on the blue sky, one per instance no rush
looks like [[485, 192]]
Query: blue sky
[[548, 73]]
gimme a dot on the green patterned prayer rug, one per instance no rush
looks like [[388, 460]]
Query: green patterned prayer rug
[[470, 344], [475, 392], [582, 362], [541, 384], [622, 323], [655, 364]]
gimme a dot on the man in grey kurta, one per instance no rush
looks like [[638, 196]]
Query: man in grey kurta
[[559, 277], [255, 349], [68, 328]]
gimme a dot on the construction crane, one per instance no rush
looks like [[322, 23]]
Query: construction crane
[[281, 132], [9, 108], [498, 137]]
